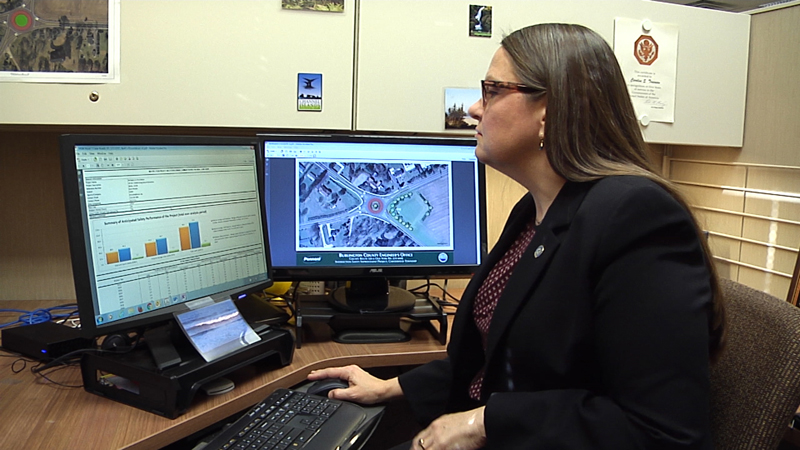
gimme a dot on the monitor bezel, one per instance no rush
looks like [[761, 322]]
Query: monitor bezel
[[78, 245], [294, 273]]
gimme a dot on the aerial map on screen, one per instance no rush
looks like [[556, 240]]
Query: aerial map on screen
[[366, 205], [54, 36]]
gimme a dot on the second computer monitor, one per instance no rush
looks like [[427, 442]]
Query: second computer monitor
[[156, 222], [364, 209]]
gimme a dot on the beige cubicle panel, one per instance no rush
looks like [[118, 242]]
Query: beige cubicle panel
[[231, 63], [409, 52]]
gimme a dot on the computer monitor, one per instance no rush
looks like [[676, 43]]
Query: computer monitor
[[157, 222], [366, 209]]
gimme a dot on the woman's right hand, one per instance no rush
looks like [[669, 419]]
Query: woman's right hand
[[364, 388]]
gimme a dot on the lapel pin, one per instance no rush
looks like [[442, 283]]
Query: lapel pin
[[539, 251]]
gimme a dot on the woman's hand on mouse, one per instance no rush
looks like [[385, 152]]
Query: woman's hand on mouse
[[364, 388]]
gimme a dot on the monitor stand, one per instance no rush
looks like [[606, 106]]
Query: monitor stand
[[137, 381], [371, 302], [353, 327], [372, 295]]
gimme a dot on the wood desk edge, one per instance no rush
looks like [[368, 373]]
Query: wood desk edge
[[297, 375], [313, 355]]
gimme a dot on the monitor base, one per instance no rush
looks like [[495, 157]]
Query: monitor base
[[371, 336], [353, 327], [372, 296]]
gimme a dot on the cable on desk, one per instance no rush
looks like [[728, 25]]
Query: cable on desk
[[46, 376], [280, 301], [19, 361], [73, 358], [69, 320], [38, 368], [39, 315], [63, 359], [24, 362], [275, 299], [427, 286], [295, 295]]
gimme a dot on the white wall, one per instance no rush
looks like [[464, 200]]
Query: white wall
[[409, 51], [207, 63], [196, 63]]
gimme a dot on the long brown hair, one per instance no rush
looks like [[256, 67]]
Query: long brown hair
[[591, 128]]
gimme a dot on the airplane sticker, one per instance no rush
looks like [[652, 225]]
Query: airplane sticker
[[309, 92]]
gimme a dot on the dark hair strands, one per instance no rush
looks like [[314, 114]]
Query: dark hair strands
[[591, 130]]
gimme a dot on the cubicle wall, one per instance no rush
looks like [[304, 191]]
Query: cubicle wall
[[749, 198], [231, 63], [752, 215], [230, 67], [235, 64], [410, 51]]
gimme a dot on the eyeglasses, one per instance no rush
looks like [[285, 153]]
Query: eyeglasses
[[489, 89]]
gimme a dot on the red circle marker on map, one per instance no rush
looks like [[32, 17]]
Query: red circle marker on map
[[21, 20], [376, 206]]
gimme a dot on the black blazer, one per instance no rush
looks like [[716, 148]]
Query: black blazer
[[600, 342]]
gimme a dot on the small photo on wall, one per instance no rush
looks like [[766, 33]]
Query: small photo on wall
[[480, 21], [309, 92], [456, 106], [314, 5]]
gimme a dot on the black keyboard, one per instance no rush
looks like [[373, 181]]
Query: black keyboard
[[292, 420]]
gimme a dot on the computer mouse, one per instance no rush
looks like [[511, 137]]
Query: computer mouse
[[325, 385]]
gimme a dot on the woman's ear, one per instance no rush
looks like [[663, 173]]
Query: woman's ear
[[542, 119], [544, 108]]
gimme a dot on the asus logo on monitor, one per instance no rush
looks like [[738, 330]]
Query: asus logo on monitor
[[375, 270]]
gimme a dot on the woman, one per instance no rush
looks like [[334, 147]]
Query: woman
[[593, 320]]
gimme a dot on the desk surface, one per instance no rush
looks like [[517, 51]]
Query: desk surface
[[38, 414]]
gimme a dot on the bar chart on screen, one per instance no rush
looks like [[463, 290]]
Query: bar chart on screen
[[162, 236], [161, 256], [181, 238]]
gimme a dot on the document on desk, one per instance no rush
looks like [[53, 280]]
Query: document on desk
[[217, 329]]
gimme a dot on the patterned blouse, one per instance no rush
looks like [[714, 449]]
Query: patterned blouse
[[490, 291]]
